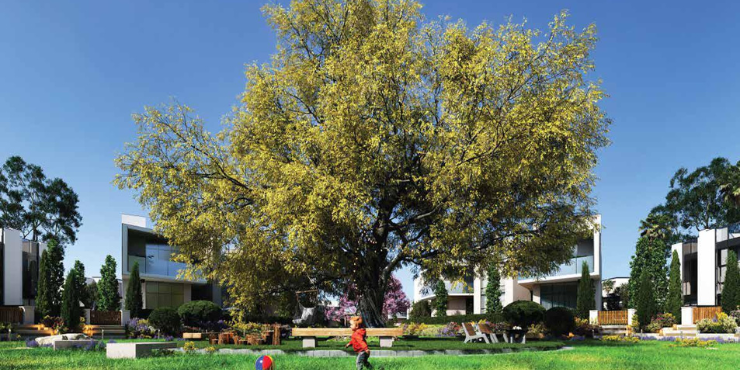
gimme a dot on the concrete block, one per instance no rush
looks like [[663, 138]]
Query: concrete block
[[386, 342], [135, 350], [687, 316], [69, 344], [29, 315], [309, 342]]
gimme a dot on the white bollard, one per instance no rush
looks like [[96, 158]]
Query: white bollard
[[593, 317], [687, 316]]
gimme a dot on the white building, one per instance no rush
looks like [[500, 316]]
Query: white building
[[19, 271], [559, 289], [704, 262], [160, 285]]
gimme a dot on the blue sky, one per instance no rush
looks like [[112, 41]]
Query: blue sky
[[73, 72]]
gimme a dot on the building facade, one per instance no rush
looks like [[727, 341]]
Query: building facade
[[160, 286], [704, 262], [19, 260], [559, 289]]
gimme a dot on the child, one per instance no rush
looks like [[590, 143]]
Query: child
[[358, 342]]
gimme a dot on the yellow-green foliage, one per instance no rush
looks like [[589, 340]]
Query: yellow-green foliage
[[620, 338], [211, 350], [694, 342], [414, 329], [374, 138], [188, 347]]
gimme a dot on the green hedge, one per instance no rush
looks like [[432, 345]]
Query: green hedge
[[456, 318]]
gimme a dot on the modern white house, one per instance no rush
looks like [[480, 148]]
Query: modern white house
[[19, 264], [559, 289], [161, 286], [704, 262]]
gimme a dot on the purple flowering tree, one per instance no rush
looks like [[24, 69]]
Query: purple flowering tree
[[395, 302]]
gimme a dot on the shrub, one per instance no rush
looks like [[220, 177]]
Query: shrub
[[455, 318], [735, 314], [188, 347], [196, 313], [559, 321], [721, 324], [413, 328], [166, 320], [524, 313], [619, 338], [139, 329], [662, 320], [694, 342], [584, 328], [419, 310]]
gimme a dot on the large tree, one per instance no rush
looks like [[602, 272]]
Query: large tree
[[675, 294], [51, 280], [649, 258], [395, 302], [41, 208], [109, 299], [376, 139]]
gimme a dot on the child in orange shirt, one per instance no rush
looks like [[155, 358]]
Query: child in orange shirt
[[358, 342]]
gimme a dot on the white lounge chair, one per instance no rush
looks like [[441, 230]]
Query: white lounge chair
[[473, 334]]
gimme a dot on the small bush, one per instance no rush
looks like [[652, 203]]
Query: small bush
[[166, 320], [419, 310], [455, 318], [619, 338], [694, 342], [559, 321], [188, 347], [195, 313], [721, 324], [584, 328], [524, 313], [660, 321]]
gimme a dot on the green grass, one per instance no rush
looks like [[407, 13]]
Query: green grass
[[586, 355]]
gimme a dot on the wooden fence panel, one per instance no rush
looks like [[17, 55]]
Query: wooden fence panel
[[105, 318], [613, 317], [701, 313], [13, 315]]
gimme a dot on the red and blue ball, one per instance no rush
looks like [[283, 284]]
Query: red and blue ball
[[264, 363]]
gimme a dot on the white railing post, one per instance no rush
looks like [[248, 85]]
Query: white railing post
[[630, 312], [687, 316], [593, 317], [125, 317], [29, 315], [87, 317]]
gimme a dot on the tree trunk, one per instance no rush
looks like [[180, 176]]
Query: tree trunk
[[370, 305]]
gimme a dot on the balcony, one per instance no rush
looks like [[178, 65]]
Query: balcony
[[573, 267], [457, 288], [156, 262]]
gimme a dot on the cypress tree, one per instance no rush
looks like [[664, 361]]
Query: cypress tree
[[133, 301], [675, 298], [108, 297], [731, 286], [645, 300], [51, 279], [71, 302], [493, 291], [440, 299], [650, 256], [585, 299], [80, 283]]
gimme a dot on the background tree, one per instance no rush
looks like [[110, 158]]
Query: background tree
[[645, 300], [91, 295], [395, 302], [649, 257], [493, 290], [375, 140], [662, 224], [585, 301], [440, 299], [71, 310], [730, 298], [51, 280], [675, 295], [80, 283], [134, 301], [623, 291], [108, 297], [39, 207]]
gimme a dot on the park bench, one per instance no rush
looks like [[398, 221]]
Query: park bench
[[135, 350], [309, 334]]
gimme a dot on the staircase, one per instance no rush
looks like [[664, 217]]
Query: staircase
[[680, 331], [32, 331], [614, 329]]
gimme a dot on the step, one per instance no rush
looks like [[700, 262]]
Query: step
[[684, 327], [671, 333]]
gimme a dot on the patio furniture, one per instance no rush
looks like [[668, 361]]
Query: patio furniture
[[472, 334], [212, 338], [517, 335], [485, 329], [309, 334], [226, 338]]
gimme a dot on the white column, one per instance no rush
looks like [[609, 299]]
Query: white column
[[125, 317], [477, 289], [598, 294], [706, 261], [630, 313], [29, 315], [536, 294], [87, 317], [13, 290], [687, 315]]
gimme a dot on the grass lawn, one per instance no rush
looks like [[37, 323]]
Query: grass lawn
[[585, 355]]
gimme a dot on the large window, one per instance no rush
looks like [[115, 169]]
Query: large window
[[559, 295], [163, 295]]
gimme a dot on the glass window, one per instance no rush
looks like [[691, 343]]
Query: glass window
[[164, 295]]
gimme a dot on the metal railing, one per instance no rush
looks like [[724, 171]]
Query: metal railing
[[573, 267]]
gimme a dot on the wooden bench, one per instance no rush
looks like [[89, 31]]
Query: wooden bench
[[309, 334], [136, 349]]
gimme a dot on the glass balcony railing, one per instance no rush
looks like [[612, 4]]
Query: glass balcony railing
[[156, 262], [455, 288], [572, 267]]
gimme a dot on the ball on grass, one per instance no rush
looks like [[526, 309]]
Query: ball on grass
[[264, 363]]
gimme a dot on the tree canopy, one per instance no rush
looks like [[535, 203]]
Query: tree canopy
[[650, 259], [108, 297], [375, 139], [41, 208]]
